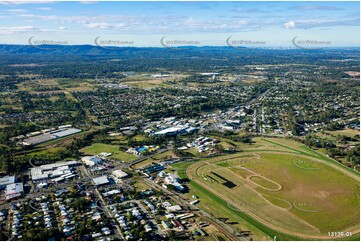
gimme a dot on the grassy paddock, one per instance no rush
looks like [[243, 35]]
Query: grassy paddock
[[314, 191], [97, 148]]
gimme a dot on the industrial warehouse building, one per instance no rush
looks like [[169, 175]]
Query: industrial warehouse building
[[120, 174], [91, 160], [56, 170], [38, 138], [102, 180]]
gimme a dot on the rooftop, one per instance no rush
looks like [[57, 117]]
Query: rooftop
[[102, 180], [119, 173], [7, 180], [14, 190]]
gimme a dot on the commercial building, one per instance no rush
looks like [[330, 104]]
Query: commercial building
[[66, 132], [66, 126], [14, 190], [172, 131], [39, 137], [173, 180], [6, 180], [91, 160], [60, 169], [102, 180], [120, 174]]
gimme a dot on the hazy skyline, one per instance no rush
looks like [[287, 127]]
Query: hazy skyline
[[200, 23]]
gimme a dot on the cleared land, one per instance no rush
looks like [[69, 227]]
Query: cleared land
[[97, 148], [347, 132], [155, 158], [287, 190]]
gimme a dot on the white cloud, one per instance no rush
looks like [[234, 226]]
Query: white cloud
[[63, 28], [317, 23], [26, 15], [190, 22], [289, 25], [88, 2], [18, 29], [104, 25], [242, 22], [23, 2], [17, 10], [44, 9]]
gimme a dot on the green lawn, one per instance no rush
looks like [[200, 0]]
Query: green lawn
[[97, 148], [164, 155], [219, 207], [302, 149], [139, 138], [312, 190], [181, 168]]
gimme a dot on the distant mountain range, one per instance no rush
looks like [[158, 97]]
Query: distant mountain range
[[97, 50], [110, 51]]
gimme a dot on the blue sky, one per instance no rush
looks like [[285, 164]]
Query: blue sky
[[201, 23]]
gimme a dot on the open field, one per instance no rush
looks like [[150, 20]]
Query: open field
[[141, 186], [147, 81], [347, 132], [55, 85], [292, 190], [97, 148], [155, 158], [139, 138], [144, 163], [165, 155]]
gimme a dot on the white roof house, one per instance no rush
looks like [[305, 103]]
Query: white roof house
[[173, 208]]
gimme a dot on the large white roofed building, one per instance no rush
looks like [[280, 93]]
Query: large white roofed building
[[91, 160], [120, 174], [14, 190], [102, 180], [6, 180]]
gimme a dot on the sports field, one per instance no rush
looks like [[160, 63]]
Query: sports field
[[285, 187]]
